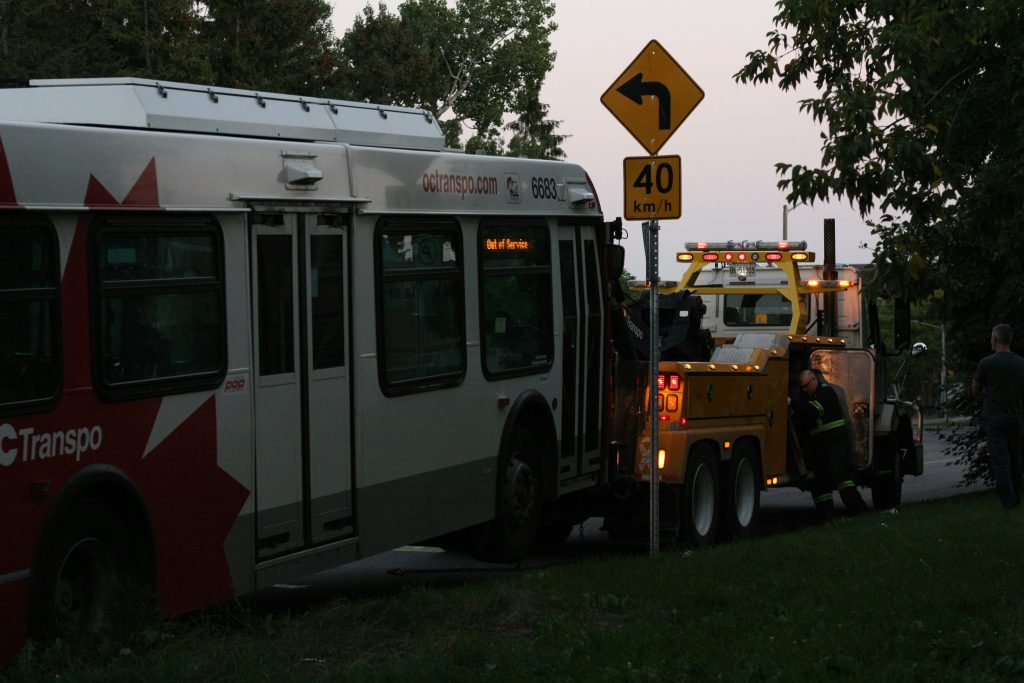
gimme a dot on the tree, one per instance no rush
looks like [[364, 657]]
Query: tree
[[148, 39], [920, 102], [534, 134], [274, 45], [471, 64]]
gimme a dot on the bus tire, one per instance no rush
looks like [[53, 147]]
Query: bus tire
[[699, 508], [887, 488], [741, 493], [83, 571], [517, 520]]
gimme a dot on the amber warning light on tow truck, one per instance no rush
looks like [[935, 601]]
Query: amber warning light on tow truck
[[744, 251], [818, 284]]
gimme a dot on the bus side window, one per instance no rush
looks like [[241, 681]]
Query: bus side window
[[160, 288], [30, 333], [515, 291], [421, 332]]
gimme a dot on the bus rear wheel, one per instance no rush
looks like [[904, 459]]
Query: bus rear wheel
[[514, 529], [83, 572]]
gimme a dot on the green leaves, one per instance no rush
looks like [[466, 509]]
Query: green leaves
[[478, 65], [913, 100], [919, 103], [260, 44]]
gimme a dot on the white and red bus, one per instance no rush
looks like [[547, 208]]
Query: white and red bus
[[249, 336]]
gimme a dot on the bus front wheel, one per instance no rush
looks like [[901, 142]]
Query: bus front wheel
[[514, 529]]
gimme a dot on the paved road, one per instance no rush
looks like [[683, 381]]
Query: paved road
[[782, 510], [787, 509]]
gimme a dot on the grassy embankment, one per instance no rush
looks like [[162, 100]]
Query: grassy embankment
[[934, 592]]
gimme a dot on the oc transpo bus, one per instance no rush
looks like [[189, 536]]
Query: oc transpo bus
[[249, 336]]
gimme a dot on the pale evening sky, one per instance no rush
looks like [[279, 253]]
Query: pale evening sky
[[729, 144]]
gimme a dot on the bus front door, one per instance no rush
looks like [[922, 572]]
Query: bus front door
[[582, 322], [302, 398]]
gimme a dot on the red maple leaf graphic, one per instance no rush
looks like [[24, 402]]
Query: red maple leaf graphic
[[7, 198]]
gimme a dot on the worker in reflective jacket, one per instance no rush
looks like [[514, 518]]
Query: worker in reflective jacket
[[828, 446]]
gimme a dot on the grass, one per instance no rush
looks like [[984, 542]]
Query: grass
[[930, 593]]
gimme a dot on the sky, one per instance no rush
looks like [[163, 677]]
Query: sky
[[729, 144]]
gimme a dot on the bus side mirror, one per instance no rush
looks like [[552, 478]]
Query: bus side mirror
[[901, 322], [615, 260]]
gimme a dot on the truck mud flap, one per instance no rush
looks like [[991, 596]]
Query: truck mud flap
[[912, 460]]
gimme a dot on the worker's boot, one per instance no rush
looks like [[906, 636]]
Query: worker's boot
[[823, 509], [855, 505]]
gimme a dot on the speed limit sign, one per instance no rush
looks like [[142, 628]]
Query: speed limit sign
[[652, 187]]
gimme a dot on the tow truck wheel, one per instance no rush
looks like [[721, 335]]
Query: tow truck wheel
[[699, 502], [741, 493], [887, 488]]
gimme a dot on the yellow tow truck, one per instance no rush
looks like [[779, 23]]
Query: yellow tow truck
[[726, 432]]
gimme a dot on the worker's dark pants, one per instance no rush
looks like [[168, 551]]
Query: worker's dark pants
[[828, 456], [1003, 440]]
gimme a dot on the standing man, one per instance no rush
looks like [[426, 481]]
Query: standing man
[[1000, 377], [828, 446]]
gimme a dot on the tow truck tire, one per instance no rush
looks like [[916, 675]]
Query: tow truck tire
[[517, 521], [555, 534], [741, 493], [699, 508], [84, 571], [887, 488]]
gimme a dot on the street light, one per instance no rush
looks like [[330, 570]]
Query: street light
[[786, 208], [942, 380]]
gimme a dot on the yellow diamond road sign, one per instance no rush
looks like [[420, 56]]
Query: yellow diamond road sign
[[652, 97]]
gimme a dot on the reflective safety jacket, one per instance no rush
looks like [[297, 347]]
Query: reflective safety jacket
[[823, 410]]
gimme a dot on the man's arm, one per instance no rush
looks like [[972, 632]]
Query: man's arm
[[977, 387]]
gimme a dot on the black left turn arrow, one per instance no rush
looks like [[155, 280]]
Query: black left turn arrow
[[635, 89]]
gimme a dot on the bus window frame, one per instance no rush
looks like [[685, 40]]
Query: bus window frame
[[10, 221], [154, 225], [418, 224], [513, 223]]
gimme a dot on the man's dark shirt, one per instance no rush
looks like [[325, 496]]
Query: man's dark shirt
[[1002, 375], [823, 408]]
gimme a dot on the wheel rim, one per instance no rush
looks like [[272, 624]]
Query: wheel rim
[[85, 582], [744, 493], [703, 500], [520, 494]]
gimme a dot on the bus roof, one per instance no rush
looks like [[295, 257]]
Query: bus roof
[[159, 105]]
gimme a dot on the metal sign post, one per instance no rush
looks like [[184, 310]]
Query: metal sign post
[[651, 99], [652, 227]]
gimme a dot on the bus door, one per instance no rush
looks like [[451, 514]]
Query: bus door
[[303, 430], [582, 322]]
